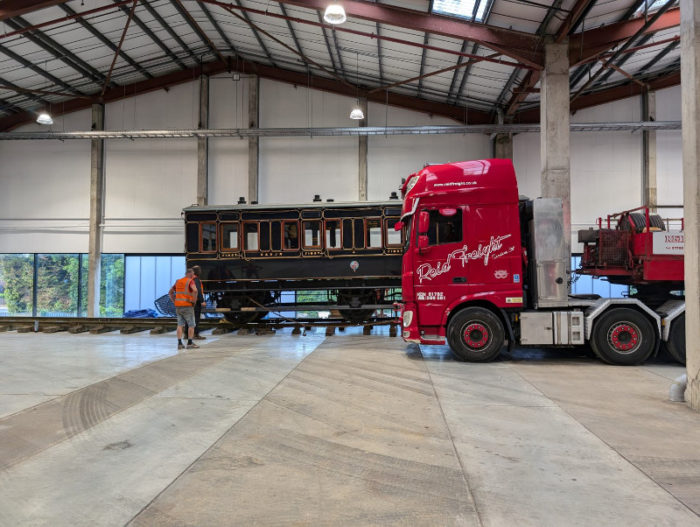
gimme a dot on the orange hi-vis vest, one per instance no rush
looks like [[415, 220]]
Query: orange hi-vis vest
[[183, 296]]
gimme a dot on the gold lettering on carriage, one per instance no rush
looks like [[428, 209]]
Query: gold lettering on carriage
[[427, 271]]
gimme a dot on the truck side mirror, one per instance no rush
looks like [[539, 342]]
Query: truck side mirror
[[422, 242], [423, 222], [398, 226]]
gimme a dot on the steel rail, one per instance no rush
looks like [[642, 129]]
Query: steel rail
[[243, 133]]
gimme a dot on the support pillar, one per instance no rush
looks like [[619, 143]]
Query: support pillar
[[503, 146], [253, 142], [362, 158], [203, 143], [554, 130], [649, 151], [97, 183], [690, 92]]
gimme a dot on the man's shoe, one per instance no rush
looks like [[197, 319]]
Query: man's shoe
[[192, 346], [180, 346], [199, 337]]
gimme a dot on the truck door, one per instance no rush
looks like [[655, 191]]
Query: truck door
[[439, 267]]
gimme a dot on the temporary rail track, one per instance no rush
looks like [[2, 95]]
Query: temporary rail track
[[162, 325]]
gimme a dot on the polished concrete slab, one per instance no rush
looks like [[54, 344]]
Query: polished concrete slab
[[342, 430]]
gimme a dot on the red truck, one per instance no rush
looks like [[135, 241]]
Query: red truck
[[483, 265]]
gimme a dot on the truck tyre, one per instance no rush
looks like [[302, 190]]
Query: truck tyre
[[676, 339], [475, 334], [623, 336]]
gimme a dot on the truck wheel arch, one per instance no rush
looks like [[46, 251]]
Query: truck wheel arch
[[469, 302]]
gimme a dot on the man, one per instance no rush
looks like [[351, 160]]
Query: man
[[184, 293], [200, 302]]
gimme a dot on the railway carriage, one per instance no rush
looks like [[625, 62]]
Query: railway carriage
[[251, 253]]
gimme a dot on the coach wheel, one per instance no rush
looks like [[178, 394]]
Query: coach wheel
[[676, 339], [250, 300], [623, 336], [357, 299], [475, 334]]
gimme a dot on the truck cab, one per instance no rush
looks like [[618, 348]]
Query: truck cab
[[463, 248]]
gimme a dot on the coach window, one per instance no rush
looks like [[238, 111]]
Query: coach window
[[445, 226], [312, 240], [393, 238], [373, 233], [347, 234], [291, 235], [208, 237], [276, 235], [265, 236], [229, 236], [333, 234], [192, 237], [251, 237]]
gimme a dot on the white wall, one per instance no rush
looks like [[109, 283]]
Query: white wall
[[148, 182]]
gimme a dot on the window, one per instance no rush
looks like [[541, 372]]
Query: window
[[208, 237], [192, 236], [461, 8], [311, 234], [373, 233], [393, 238], [250, 237], [291, 235], [347, 234], [332, 234], [146, 279], [229, 236], [445, 229], [16, 279]]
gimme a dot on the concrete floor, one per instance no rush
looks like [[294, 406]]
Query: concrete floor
[[342, 430]]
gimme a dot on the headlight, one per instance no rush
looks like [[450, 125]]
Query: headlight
[[407, 318]]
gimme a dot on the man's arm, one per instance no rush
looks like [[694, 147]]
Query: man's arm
[[171, 293]]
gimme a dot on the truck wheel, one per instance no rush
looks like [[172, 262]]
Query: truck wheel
[[623, 336], [676, 339], [475, 334]]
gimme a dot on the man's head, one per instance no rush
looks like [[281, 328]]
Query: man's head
[[197, 270], [189, 273]]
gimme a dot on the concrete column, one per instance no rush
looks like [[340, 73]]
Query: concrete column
[[503, 146], [690, 93], [253, 142], [97, 184], [554, 132], [649, 151], [362, 158], [203, 143]]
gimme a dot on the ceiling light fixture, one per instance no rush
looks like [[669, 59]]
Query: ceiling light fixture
[[45, 119], [357, 114], [334, 14]]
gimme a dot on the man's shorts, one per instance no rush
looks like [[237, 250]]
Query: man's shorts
[[185, 316]]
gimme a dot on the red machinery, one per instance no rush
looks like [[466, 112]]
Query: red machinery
[[482, 265]]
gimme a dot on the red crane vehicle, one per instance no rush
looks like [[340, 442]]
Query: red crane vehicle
[[483, 265]]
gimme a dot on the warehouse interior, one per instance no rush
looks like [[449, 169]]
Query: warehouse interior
[[116, 115]]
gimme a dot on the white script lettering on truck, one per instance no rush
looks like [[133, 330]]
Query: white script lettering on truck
[[668, 242], [426, 271]]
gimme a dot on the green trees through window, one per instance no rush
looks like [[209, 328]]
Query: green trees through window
[[57, 284]]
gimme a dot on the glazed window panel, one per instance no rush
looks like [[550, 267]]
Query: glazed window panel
[[208, 237], [264, 236], [333, 234], [276, 235], [291, 235], [251, 237], [359, 234], [192, 237], [445, 229], [393, 238], [373, 233], [312, 231], [229, 234], [347, 234]]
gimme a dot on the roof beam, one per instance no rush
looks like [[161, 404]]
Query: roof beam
[[155, 14], [58, 51], [328, 43], [515, 44], [614, 93], [151, 35], [379, 55], [119, 46], [196, 28], [98, 35], [291, 30], [13, 8], [255, 33], [217, 26], [301, 78], [599, 40]]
